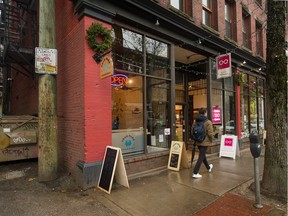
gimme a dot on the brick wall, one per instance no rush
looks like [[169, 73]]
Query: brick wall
[[255, 9], [98, 105], [83, 99], [23, 94], [70, 85]]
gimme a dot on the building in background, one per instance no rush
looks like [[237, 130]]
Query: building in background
[[170, 59]]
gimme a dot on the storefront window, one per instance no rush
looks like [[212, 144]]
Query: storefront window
[[217, 108], [158, 112], [252, 105], [244, 107], [130, 78], [127, 112], [157, 58], [128, 50], [223, 105]]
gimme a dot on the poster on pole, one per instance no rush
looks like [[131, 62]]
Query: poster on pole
[[229, 146], [45, 61], [223, 66]]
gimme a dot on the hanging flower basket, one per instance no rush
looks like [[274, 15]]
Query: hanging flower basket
[[99, 38], [239, 78]]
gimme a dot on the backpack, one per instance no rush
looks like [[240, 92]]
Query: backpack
[[198, 131]]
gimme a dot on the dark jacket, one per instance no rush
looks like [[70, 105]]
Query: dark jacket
[[208, 130]]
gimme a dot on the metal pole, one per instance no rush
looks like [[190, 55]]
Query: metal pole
[[257, 203]]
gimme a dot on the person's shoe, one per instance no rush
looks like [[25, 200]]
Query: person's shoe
[[196, 175], [211, 167]]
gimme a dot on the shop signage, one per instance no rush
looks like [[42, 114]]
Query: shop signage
[[118, 80], [113, 166], [130, 141], [106, 67], [229, 146], [216, 115], [178, 156], [45, 61], [223, 66]]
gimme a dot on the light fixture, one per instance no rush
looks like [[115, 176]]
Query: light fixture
[[199, 41], [260, 69], [157, 22], [244, 62]]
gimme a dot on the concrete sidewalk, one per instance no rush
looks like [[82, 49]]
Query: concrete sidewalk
[[177, 193], [164, 193]]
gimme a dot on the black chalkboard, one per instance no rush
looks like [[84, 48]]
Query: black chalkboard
[[108, 169], [174, 160]]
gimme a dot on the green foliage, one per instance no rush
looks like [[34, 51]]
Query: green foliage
[[97, 30], [239, 78]]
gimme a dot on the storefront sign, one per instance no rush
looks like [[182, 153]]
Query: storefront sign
[[223, 66], [229, 146], [45, 61], [178, 156], [113, 165], [118, 80], [130, 141], [106, 67], [216, 115]]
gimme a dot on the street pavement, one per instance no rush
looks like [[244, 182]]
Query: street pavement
[[165, 192], [177, 193]]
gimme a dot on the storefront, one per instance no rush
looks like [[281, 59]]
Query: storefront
[[143, 97], [164, 71]]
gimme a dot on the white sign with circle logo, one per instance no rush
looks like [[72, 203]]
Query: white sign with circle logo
[[223, 66], [229, 146]]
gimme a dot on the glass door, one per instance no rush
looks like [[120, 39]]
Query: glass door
[[180, 122]]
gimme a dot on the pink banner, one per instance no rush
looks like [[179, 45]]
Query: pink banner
[[216, 115]]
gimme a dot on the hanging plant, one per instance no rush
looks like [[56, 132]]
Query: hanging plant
[[239, 78], [97, 32]]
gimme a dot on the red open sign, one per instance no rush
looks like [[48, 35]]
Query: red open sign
[[119, 80]]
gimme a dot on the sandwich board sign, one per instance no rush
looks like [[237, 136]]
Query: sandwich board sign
[[113, 166], [178, 156], [229, 146]]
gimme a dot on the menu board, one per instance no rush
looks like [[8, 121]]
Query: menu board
[[108, 169], [178, 156]]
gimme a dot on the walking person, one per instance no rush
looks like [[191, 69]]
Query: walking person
[[202, 132]]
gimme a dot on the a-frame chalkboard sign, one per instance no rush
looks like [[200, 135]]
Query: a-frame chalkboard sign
[[113, 165], [178, 156]]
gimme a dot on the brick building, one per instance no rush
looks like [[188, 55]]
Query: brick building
[[167, 55]]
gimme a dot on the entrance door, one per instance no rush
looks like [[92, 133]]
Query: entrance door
[[180, 122]]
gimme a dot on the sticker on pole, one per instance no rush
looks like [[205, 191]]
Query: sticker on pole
[[45, 61]]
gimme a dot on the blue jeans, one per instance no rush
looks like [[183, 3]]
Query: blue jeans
[[201, 158]]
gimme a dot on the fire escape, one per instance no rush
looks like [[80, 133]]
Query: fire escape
[[18, 33], [18, 39]]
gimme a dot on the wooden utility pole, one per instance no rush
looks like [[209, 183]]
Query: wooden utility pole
[[47, 129]]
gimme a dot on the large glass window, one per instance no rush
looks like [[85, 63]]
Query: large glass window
[[252, 105], [131, 76], [157, 58], [223, 105], [158, 111], [128, 50]]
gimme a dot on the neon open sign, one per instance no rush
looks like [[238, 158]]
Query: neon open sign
[[119, 80]]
